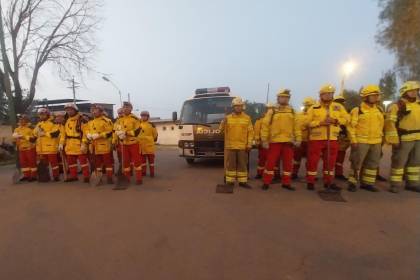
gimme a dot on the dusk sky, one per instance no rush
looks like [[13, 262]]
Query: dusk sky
[[161, 51]]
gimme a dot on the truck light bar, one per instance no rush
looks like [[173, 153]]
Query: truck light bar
[[212, 90]]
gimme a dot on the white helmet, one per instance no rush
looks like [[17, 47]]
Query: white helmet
[[43, 111], [71, 105], [237, 101]]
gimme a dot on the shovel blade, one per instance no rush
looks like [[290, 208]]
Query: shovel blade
[[224, 188], [43, 172], [333, 196], [16, 176], [95, 179]]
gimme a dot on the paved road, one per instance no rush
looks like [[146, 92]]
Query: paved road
[[176, 227]]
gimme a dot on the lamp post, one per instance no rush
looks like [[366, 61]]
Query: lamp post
[[115, 86], [347, 69]]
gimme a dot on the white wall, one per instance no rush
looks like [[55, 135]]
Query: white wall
[[168, 133]]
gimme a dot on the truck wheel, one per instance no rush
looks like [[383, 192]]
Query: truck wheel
[[190, 160]]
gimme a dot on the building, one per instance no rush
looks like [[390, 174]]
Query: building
[[57, 105], [168, 131]]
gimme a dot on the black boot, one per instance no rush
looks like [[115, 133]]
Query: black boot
[[24, 179], [70, 179], [245, 186], [380, 178], [288, 187], [265, 187], [369, 188], [310, 187], [294, 176], [258, 176], [412, 189]]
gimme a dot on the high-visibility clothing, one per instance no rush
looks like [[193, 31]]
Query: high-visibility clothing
[[406, 164], [131, 155], [364, 163], [148, 158], [280, 126], [147, 137], [115, 139], [316, 148], [238, 131], [51, 159], [276, 151], [402, 122], [47, 143], [236, 166], [27, 161], [257, 131], [262, 159], [103, 127], [366, 124], [131, 126], [104, 160], [72, 165], [302, 122], [73, 135], [26, 142], [318, 113]]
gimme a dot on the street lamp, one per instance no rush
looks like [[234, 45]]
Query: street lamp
[[347, 69], [115, 86]]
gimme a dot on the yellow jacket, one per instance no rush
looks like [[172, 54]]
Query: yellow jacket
[[102, 126], [302, 122], [115, 139], [131, 125], [147, 137], [257, 131], [238, 131], [72, 137], [26, 142], [280, 126], [402, 122], [47, 143], [318, 113], [366, 124]]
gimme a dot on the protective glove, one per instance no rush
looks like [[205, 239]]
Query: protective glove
[[16, 135], [264, 145], [41, 133], [89, 136], [60, 147], [121, 134], [83, 148], [297, 144], [95, 136]]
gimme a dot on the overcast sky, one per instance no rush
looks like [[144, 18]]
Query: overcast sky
[[160, 51]]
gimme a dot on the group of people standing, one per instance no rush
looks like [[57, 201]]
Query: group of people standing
[[324, 130], [86, 141]]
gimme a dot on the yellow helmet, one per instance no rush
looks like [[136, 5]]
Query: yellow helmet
[[370, 90], [327, 88], [237, 101], [339, 98], [308, 101], [284, 92], [408, 86]]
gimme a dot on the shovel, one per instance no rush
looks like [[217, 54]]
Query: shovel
[[122, 180], [96, 176], [17, 174]]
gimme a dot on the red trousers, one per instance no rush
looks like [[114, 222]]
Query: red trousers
[[27, 161], [341, 155], [276, 152], [104, 160], [72, 165], [315, 149], [262, 158], [51, 159], [151, 159], [299, 153], [131, 154]]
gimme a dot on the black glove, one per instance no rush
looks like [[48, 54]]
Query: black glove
[[55, 134]]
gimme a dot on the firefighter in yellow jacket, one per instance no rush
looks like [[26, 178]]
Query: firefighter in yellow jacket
[[302, 120], [127, 130], [239, 133], [71, 142], [365, 130], [147, 139], [402, 131], [280, 132], [25, 143], [47, 135], [343, 144], [262, 153], [324, 120], [99, 135]]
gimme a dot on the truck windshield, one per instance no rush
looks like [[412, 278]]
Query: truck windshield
[[205, 110]]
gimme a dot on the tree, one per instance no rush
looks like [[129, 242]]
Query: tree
[[388, 85], [34, 33], [254, 110], [352, 99], [400, 33]]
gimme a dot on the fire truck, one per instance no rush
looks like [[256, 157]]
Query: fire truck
[[199, 122]]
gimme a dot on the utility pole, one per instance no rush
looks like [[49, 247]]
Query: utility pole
[[73, 86], [268, 93], [128, 96]]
